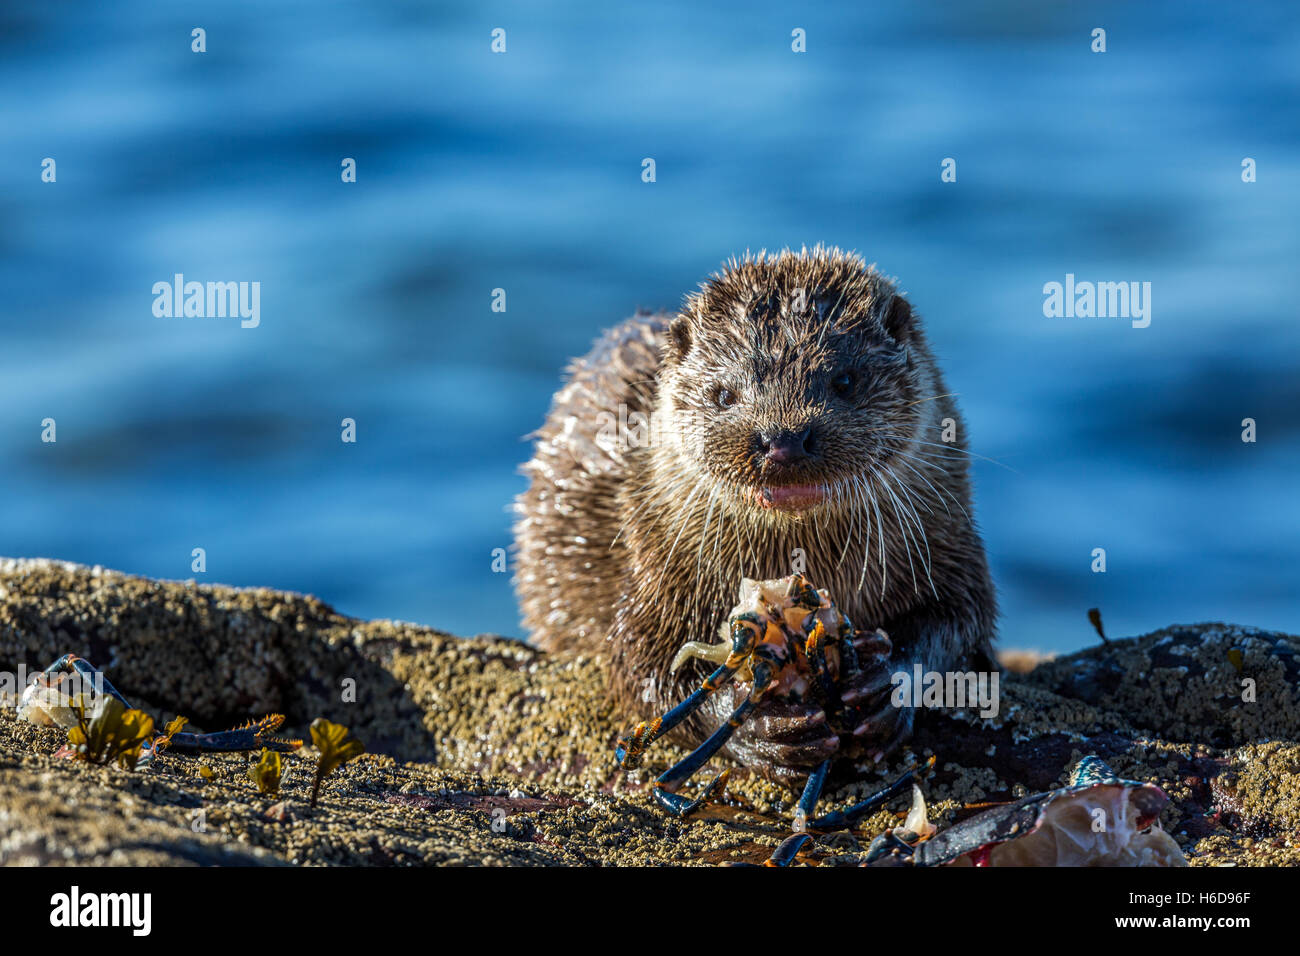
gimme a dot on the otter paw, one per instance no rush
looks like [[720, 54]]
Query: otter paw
[[870, 721], [879, 734], [783, 741]]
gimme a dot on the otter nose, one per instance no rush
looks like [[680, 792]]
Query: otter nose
[[785, 445]]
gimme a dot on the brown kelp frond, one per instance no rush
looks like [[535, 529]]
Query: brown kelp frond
[[336, 745]]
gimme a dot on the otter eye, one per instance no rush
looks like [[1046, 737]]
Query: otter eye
[[842, 384], [724, 397]]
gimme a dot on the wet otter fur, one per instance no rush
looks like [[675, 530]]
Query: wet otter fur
[[791, 417]]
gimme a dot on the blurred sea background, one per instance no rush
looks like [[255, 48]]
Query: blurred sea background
[[522, 171]]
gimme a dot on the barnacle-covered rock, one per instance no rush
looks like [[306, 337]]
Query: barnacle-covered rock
[[469, 731], [1220, 684]]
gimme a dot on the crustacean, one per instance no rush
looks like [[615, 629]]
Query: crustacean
[[1096, 819], [71, 685], [787, 640]]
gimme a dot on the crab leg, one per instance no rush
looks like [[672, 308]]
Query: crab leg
[[837, 820], [71, 664], [844, 819], [252, 736], [815, 649], [812, 792], [784, 854], [665, 788], [630, 748]]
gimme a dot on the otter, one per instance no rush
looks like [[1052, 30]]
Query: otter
[[789, 418]]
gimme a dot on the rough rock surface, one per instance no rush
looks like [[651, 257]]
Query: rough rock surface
[[485, 751]]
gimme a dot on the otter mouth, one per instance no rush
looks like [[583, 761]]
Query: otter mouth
[[794, 499]]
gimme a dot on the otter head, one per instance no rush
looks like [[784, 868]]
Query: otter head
[[788, 379]]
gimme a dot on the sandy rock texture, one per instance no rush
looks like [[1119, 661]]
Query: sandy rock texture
[[485, 751]]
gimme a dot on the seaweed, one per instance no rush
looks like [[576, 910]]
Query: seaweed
[[164, 739], [115, 734], [266, 773], [336, 745], [1094, 616]]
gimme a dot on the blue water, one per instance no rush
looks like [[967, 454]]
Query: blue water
[[522, 171]]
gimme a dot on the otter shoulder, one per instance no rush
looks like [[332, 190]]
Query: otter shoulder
[[615, 379]]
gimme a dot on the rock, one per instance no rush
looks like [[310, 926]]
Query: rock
[[486, 751], [1186, 682]]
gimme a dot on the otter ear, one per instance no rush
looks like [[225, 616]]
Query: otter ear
[[898, 319], [679, 337]]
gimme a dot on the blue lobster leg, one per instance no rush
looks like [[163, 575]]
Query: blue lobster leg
[[846, 818], [630, 748], [72, 664], [252, 736], [665, 788], [785, 854], [815, 650], [255, 735], [812, 792], [848, 650]]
